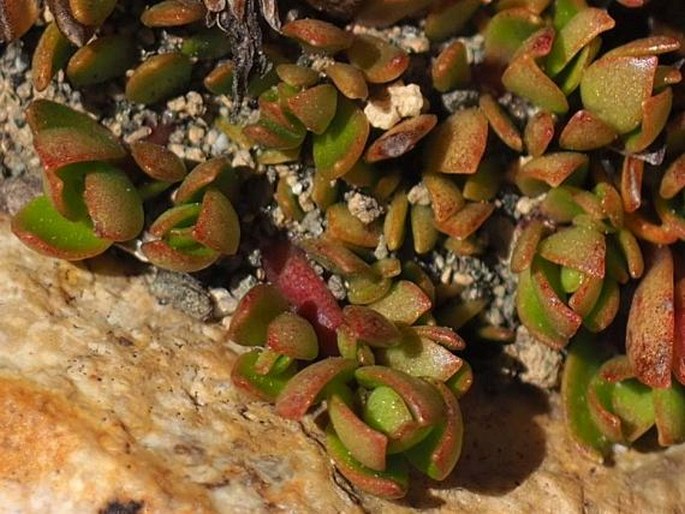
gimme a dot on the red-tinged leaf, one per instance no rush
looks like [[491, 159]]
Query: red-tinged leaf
[[386, 411], [583, 361], [17, 17], [405, 303], [420, 357], [318, 35], [628, 78], [165, 256], [220, 80], [648, 231], [158, 162], [64, 187], [538, 133], [341, 145], [652, 45], [296, 75], [457, 145], [113, 203], [416, 274], [507, 31], [532, 315], [401, 138], [390, 484], [467, 220], [438, 453], [605, 309], [631, 252], [348, 79], [425, 236], [631, 183], [365, 444], [263, 386], [585, 131], [50, 56], [291, 335], [370, 327], [650, 329], [669, 411], [346, 227], [585, 297], [40, 227], [576, 34], [655, 112], [600, 408], [103, 59], [258, 308], [451, 68], [304, 389], [460, 383], [217, 225], [425, 405], [217, 172], [288, 269], [564, 320], [444, 336], [172, 13], [537, 45], [525, 78], [610, 203], [673, 180], [501, 123], [526, 246], [334, 256], [159, 77], [617, 369], [580, 248], [63, 136], [555, 168], [378, 60], [315, 107], [446, 197], [179, 216]]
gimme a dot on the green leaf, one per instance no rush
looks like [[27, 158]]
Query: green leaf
[[342, 143], [39, 226], [583, 361]]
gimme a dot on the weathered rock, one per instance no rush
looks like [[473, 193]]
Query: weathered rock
[[108, 399]]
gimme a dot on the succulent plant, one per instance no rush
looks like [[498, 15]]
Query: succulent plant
[[406, 154], [570, 276], [605, 402], [91, 199], [390, 386]]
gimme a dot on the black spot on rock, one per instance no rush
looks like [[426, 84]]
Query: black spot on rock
[[116, 507]]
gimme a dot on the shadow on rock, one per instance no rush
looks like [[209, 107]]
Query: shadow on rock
[[503, 444]]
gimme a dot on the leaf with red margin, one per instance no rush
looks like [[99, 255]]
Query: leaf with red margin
[[391, 483], [365, 444], [439, 452], [650, 328], [305, 388]]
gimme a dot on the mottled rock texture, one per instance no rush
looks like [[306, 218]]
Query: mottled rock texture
[[110, 402]]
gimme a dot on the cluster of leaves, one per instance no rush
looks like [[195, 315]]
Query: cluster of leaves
[[342, 145], [591, 123], [95, 192], [390, 383]]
